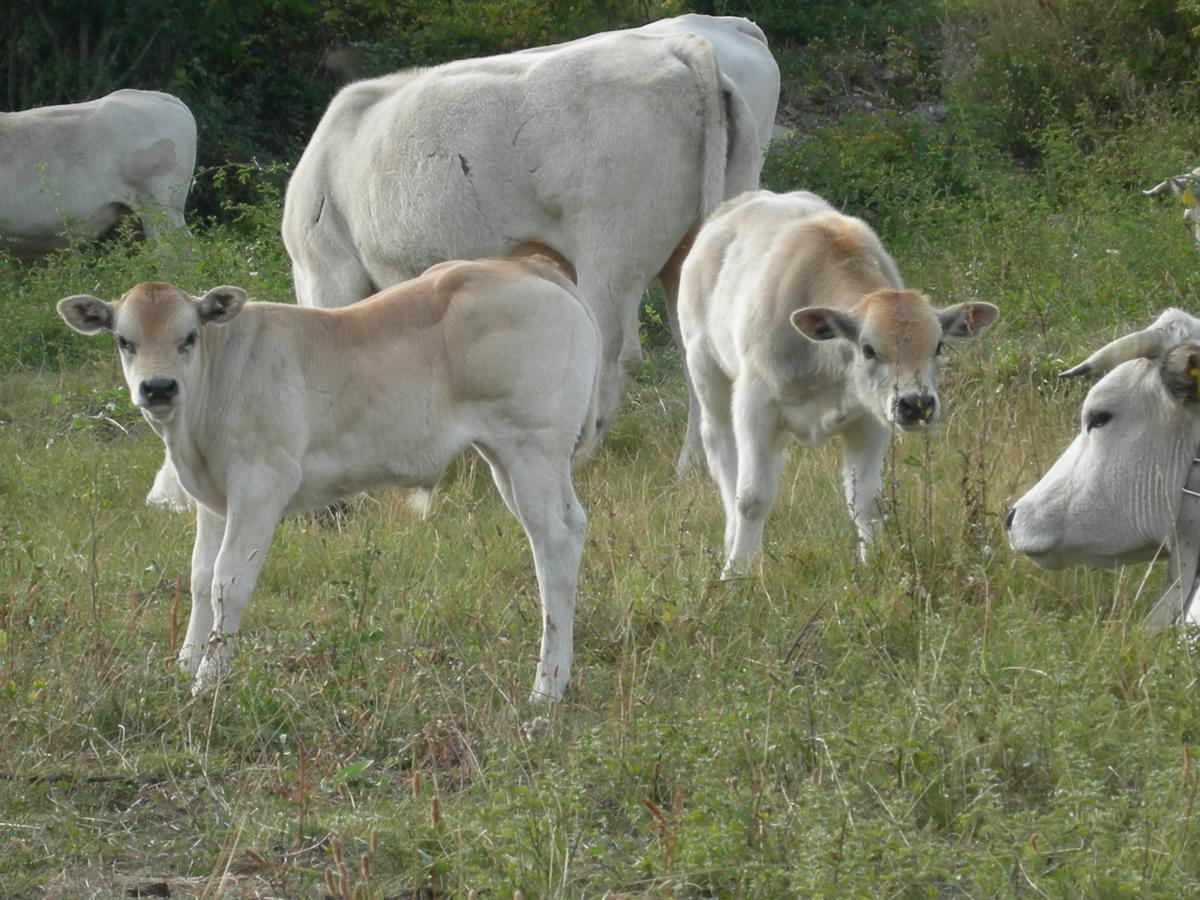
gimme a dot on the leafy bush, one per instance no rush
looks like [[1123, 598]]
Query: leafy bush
[[863, 22], [891, 168], [1022, 65]]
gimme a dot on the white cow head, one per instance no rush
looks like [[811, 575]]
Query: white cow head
[[1113, 495], [1180, 186], [898, 337], [159, 333]]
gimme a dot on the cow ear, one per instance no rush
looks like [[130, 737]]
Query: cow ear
[[965, 320], [86, 314], [818, 323], [221, 304], [1180, 371]]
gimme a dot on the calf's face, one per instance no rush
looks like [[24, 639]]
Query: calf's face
[[158, 332], [898, 340]]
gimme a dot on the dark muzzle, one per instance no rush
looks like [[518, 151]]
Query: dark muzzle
[[156, 391], [914, 408]]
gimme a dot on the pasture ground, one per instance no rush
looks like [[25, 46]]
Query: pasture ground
[[943, 720]]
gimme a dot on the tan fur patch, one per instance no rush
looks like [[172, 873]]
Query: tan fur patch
[[550, 256], [427, 296], [154, 307], [903, 323], [843, 236]]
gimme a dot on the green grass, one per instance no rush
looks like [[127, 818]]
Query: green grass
[[943, 720]]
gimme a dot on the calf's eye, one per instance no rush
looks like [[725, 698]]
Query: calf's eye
[[126, 346], [938, 351], [188, 343], [869, 352], [1098, 420]]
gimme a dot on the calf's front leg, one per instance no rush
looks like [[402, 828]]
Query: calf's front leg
[[253, 511], [210, 531], [863, 445], [762, 443]]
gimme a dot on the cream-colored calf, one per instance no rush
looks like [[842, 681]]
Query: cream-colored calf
[[268, 409], [797, 327]]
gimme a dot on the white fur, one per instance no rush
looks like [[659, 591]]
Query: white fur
[[75, 169], [762, 381], [1113, 495], [608, 150]]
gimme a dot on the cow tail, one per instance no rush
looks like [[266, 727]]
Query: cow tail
[[697, 54], [744, 154], [732, 159]]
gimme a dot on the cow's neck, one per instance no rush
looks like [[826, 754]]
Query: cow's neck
[[1178, 603], [187, 455]]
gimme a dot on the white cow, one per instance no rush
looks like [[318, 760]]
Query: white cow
[[798, 327], [72, 171], [283, 409], [1114, 495], [608, 150]]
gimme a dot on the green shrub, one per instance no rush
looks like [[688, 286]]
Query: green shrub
[[891, 168], [1022, 65]]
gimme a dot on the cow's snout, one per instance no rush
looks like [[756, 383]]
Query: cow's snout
[[157, 391], [913, 409]]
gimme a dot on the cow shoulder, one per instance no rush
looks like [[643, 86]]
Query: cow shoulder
[[827, 260]]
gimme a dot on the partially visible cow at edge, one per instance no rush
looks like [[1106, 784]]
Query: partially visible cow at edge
[[608, 151], [798, 327], [1114, 494], [72, 171], [267, 409], [1180, 187]]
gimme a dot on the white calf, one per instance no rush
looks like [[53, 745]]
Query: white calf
[[797, 327]]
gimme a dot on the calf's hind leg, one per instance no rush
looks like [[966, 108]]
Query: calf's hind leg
[[543, 500], [714, 394]]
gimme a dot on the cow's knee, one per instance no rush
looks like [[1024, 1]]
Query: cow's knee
[[630, 361], [753, 504]]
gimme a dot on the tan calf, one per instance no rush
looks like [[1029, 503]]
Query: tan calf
[[267, 409]]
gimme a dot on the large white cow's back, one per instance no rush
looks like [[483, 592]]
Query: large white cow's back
[[606, 150]]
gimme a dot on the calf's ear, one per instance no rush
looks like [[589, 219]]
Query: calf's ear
[[221, 304], [1180, 372], [86, 314], [818, 323], [963, 321]]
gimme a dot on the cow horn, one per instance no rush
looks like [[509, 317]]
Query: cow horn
[[1157, 189], [1139, 345]]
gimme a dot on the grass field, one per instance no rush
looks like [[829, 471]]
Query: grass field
[[942, 720]]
